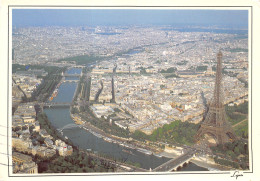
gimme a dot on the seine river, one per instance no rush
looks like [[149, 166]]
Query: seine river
[[59, 117]]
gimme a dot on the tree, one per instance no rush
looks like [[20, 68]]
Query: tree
[[160, 132], [17, 129], [229, 146], [243, 165], [41, 140], [237, 151], [79, 170]]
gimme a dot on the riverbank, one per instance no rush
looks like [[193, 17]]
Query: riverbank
[[124, 142], [206, 163], [210, 164], [169, 155]]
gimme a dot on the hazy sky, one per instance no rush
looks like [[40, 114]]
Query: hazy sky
[[94, 17]]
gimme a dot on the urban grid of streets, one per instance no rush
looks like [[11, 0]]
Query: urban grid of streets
[[145, 84]]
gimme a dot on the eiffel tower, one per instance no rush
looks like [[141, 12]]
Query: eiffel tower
[[215, 123]]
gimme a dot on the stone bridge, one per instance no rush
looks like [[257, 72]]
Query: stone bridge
[[56, 104], [70, 81], [175, 163], [69, 126]]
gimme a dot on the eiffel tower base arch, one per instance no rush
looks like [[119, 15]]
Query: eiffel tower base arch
[[222, 135]]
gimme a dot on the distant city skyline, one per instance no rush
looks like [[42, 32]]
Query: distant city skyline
[[124, 17]]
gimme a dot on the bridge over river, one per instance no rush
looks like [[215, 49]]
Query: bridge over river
[[69, 126], [70, 81], [71, 75], [56, 104], [175, 163]]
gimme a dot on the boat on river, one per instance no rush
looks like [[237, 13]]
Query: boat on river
[[96, 134], [147, 152], [128, 151], [108, 139], [158, 155], [55, 92], [130, 146]]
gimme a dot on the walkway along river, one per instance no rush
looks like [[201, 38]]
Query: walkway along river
[[59, 117]]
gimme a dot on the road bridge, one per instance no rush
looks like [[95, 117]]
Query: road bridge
[[70, 81], [71, 75], [175, 163], [56, 104], [79, 66], [69, 126]]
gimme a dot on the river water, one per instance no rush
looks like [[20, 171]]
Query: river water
[[59, 117]]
